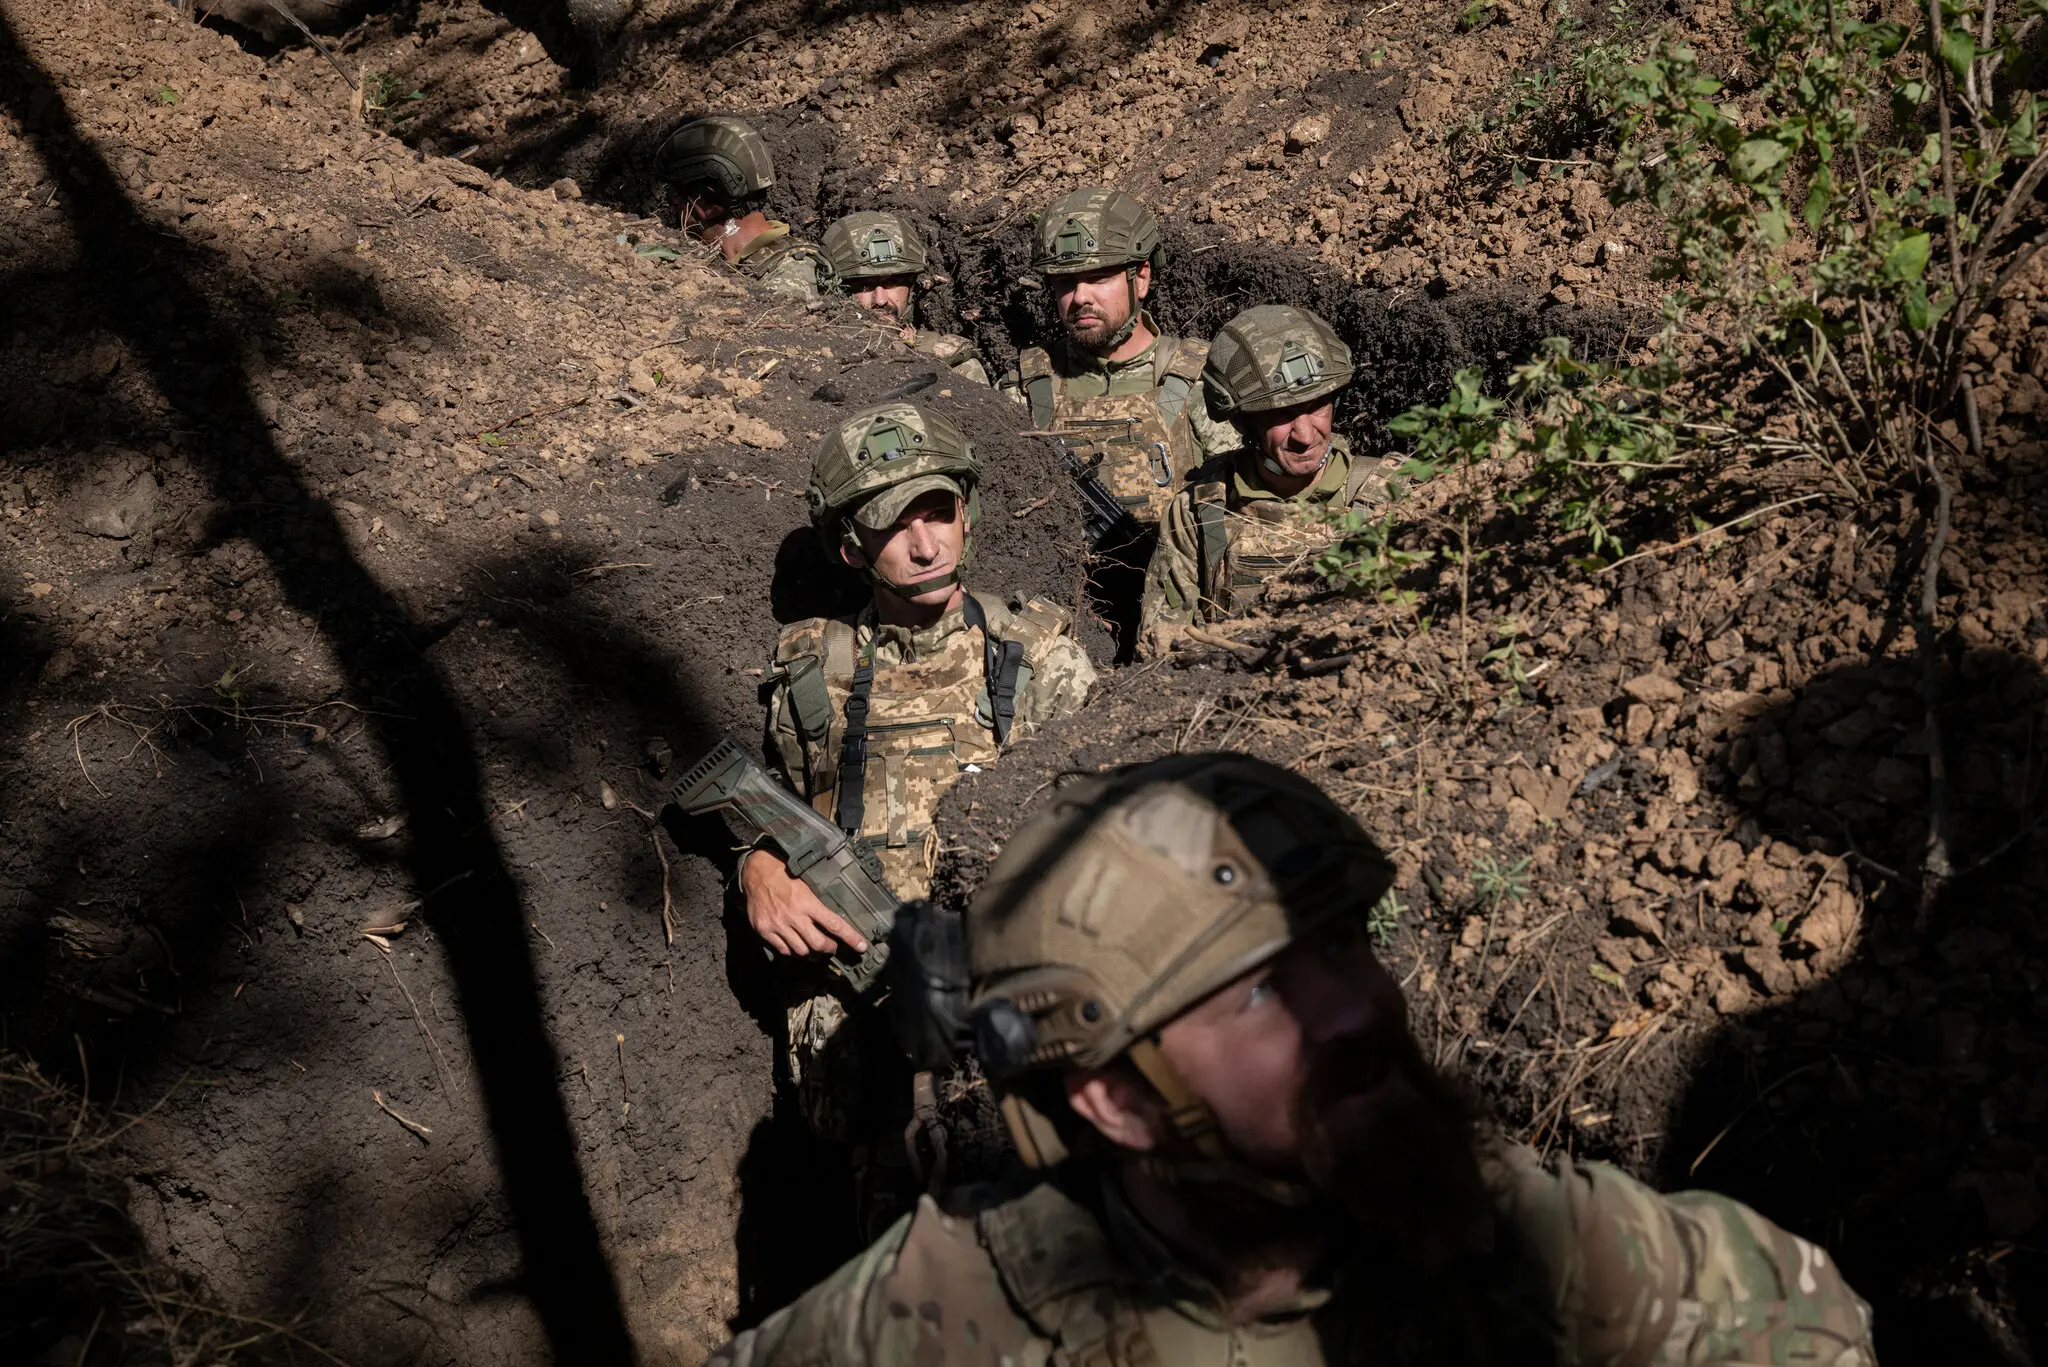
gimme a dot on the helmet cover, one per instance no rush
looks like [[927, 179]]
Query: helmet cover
[[872, 245], [1091, 230], [880, 460], [723, 152], [1274, 356]]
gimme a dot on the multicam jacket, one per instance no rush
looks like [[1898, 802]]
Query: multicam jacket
[[1143, 422], [930, 715], [1609, 1273], [1225, 534]]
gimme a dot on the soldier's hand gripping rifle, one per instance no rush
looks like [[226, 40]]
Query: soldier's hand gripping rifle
[[1107, 522], [845, 875]]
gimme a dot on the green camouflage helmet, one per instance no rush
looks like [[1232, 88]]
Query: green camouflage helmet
[[881, 460], [1131, 896], [1274, 356], [1091, 229], [723, 152], [872, 245]]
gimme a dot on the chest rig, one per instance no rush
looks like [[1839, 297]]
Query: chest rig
[[1137, 437], [1245, 542], [881, 742]]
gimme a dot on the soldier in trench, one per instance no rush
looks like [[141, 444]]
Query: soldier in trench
[[1275, 373], [873, 716], [1126, 400], [1242, 1155], [878, 258], [722, 172]]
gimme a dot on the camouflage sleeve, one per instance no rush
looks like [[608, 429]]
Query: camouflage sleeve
[[1059, 684], [1212, 436], [837, 1323], [1173, 583], [1688, 1280], [1011, 387], [796, 275], [971, 368]]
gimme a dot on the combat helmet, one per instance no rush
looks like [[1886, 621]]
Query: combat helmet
[[1089, 230], [1132, 896], [1274, 356], [721, 151], [873, 244], [878, 462]]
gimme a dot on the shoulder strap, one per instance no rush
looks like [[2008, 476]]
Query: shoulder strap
[[1211, 506], [1061, 1271], [853, 745], [1000, 659], [1180, 370], [1041, 384]]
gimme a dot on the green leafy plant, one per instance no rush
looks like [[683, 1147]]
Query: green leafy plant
[[1499, 884], [384, 91], [1384, 919], [166, 95], [1904, 237]]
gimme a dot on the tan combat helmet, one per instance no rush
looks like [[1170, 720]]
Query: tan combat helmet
[[722, 152], [877, 463], [1274, 356], [1089, 230], [1132, 896], [873, 245]]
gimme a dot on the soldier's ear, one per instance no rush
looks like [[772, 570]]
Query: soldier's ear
[[851, 553], [1143, 279], [1116, 1104]]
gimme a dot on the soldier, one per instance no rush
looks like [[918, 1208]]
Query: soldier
[[1243, 1156], [878, 258], [722, 172], [1111, 378], [872, 717], [1275, 372]]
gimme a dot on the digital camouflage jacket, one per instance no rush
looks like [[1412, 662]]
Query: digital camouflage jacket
[[954, 352], [1143, 423], [929, 713], [1225, 533], [782, 264], [1609, 1274]]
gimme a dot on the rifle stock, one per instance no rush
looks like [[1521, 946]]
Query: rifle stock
[[845, 876], [1105, 519]]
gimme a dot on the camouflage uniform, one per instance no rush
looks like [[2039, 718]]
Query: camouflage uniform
[[1625, 1276], [881, 245], [1140, 422], [930, 703], [1226, 533], [783, 264], [726, 159], [1131, 897]]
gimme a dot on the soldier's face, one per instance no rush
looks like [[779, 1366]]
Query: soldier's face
[[1297, 439], [925, 543], [1095, 306], [888, 294], [702, 210]]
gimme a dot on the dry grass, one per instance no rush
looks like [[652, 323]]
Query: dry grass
[[76, 1282]]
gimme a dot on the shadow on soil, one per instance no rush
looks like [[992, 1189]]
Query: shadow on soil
[[1897, 1109], [143, 292]]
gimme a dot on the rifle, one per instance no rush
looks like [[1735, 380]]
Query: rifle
[[846, 875], [1103, 516]]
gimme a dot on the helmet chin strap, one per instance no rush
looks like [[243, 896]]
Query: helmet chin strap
[[1194, 1122], [922, 586]]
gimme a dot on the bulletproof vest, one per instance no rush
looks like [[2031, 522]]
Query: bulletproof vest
[[1139, 438], [1245, 542], [914, 726]]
